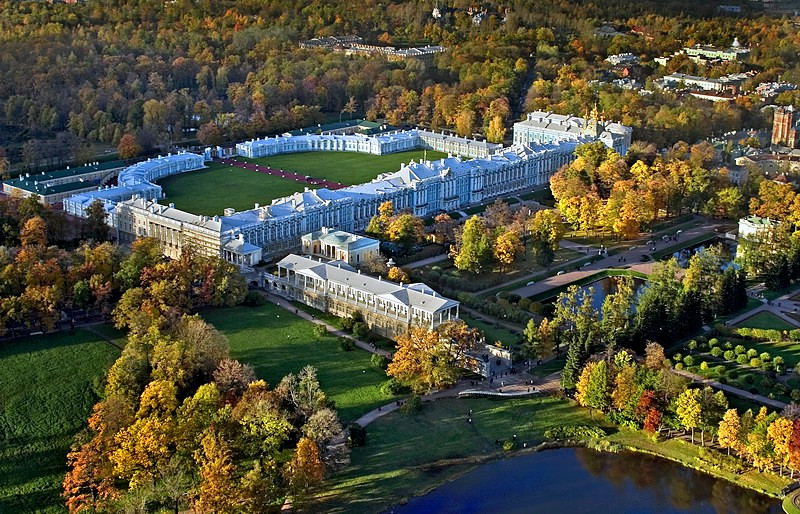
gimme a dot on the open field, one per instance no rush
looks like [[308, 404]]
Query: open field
[[47, 389], [767, 321], [399, 459], [345, 167], [211, 190], [276, 342]]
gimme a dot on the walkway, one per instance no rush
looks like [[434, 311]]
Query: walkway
[[741, 393], [779, 307], [631, 259], [283, 174], [508, 386]]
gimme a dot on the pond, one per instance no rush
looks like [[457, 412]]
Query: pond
[[577, 480], [606, 286]]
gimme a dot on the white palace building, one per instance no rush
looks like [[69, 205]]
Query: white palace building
[[474, 172]]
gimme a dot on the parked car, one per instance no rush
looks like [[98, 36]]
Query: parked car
[[560, 272]]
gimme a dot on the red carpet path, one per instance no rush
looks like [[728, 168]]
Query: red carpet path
[[280, 173]]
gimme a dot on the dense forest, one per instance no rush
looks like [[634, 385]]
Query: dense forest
[[92, 72]]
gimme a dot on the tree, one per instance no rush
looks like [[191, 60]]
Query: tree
[[95, 223], [34, 233], [306, 469], [475, 253], [405, 229], [617, 311], [546, 228], [128, 147], [780, 432], [428, 359], [217, 491], [232, 377], [729, 435], [506, 248], [625, 392], [759, 447], [593, 386], [539, 341], [397, 274], [443, 228], [689, 409], [210, 134]]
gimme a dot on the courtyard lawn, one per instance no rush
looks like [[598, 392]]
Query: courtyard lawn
[[344, 167], [492, 332], [47, 389], [211, 190], [406, 455], [276, 342], [766, 320]]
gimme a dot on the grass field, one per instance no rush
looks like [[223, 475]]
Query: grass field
[[211, 190], [402, 451], [492, 333], [345, 167], [767, 321], [47, 389], [276, 342]]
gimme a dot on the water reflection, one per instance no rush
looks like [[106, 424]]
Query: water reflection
[[580, 480]]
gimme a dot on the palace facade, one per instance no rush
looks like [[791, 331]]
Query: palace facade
[[485, 172]]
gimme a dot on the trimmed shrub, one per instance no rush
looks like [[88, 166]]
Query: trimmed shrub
[[360, 330], [755, 362], [320, 330], [346, 344], [752, 353], [393, 388], [688, 360], [733, 374], [764, 356], [748, 379], [728, 345], [692, 345], [704, 366], [716, 351], [356, 435], [704, 347], [379, 361], [729, 355], [722, 380], [514, 298], [509, 445], [795, 395], [739, 349], [412, 405], [678, 357], [713, 342], [524, 303], [794, 334], [741, 359], [679, 366], [574, 432], [719, 370], [254, 299]]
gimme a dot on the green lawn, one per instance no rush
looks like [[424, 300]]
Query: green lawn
[[406, 455], [766, 320], [493, 333], [211, 190], [47, 389], [276, 342], [345, 167]]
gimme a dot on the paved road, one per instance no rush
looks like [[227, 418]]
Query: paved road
[[741, 393], [629, 259], [508, 386], [780, 307], [281, 173]]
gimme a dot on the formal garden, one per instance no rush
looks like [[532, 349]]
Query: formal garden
[[759, 360]]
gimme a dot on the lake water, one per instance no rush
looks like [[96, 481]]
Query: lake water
[[578, 480], [604, 287]]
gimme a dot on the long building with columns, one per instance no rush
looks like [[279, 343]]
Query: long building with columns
[[474, 172]]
